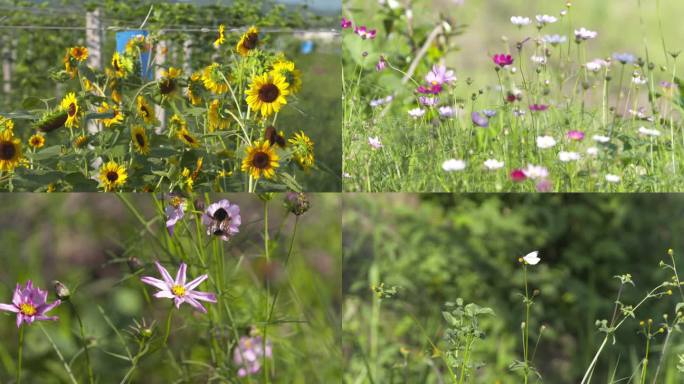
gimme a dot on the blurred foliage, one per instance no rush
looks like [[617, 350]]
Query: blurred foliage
[[437, 248], [84, 240]]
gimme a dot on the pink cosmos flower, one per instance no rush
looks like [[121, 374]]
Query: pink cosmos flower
[[433, 89], [544, 185], [479, 120], [538, 107], [248, 354], [502, 60], [174, 212], [382, 64], [576, 135], [364, 32], [440, 75], [178, 290], [375, 142], [222, 219], [518, 175], [345, 23], [30, 304]]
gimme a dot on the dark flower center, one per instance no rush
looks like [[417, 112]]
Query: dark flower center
[[116, 65], [261, 160], [189, 139], [140, 139], [251, 41], [220, 214], [167, 86], [72, 109], [112, 176], [269, 93], [7, 150], [144, 111]]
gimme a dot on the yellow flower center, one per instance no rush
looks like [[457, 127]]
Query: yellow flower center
[[27, 309], [178, 290]]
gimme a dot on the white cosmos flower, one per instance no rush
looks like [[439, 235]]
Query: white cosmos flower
[[545, 142], [592, 151], [452, 165], [596, 65], [536, 172], [520, 20], [493, 164], [532, 258], [545, 19], [538, 59], [639, 80], [416, 112], [568, 156], [585, 34], [601, 139], [649, 132], [612, 178]]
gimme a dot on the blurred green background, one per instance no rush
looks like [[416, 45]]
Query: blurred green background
[[84, 241], [439, 247]]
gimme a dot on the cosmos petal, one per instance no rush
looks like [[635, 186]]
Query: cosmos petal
[[165, 294], [154, 282], [193, 284], [165, 274], [203, 296], [46, 308], [180, 276], [195, 304], [9, 308]]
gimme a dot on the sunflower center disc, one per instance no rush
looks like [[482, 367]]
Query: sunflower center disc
[[112, 176], [251, 41], [261, 160], [269, 93], [141, 141], [7, 150]]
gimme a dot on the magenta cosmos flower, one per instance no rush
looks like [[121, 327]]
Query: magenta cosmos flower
[[576, 135], [222, 219], [538, 107], [178, 290], [30, 304], [345, 23], [440, 75], [364, 32], [518, 175], [430, 89], [502, 60]]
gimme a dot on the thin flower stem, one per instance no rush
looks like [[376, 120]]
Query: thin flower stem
[[84, 342], [21, 350], [168, 325], [268, 294], [59, 354], [526, 331]]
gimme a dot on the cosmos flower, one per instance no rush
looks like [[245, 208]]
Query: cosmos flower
[[542, 20], [554, 39], [249, 353], [538, 107], [543, 185], [520, 20], [493, 164], [440, 75], [502, 59], [576, 135], [545, 142], [381, 101], [416, 113], [222, 219], [568, 156], [433, 89], [518, 175], [596, 65], [584, 34], [479, 120], [446, 111], [612, 178], [536, 172], [375, 142], [345, 23], [365, 33], [453, 165], [601, 139], [382, 64], [178, 290], [428, 101], [649, 132], [538, 59], [624, 58], [30, 304], [489, 113], [592, 151], [174, 212], [531, 258]]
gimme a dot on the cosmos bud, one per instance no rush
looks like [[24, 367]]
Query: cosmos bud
[[61, 290]]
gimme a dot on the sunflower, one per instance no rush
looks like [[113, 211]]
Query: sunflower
[[80, 141], [122, 65], [168, 83], [292, 75], [6, 123], [79, 53], [267, 93], [36, 141], [69, 66], [137, 44], [221, 38], [112, 176], [303, 150], [10, 150], [214, 80], [70, 105], [185, 136], [194, 89], [114, 120], [145, 111], [51, 120], [248, 42], [140, 141], [216, 120], [261, 160]]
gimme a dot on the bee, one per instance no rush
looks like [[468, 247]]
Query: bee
[[220, 223]]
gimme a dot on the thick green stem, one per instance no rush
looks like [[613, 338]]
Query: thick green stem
[[268, 295]]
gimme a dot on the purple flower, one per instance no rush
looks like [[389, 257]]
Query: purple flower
[[479, 120], [345, 23], [502, 60], [440, 75], [222, 219], [382, 64], [174, 212], [248, 354], [430, 89], [30, 304], [375, 142], [489, 112], [364, 32], [624, 58], [178, 290], [576, 135], [544, 185], [538, 107], [446, 111], [428, 101]]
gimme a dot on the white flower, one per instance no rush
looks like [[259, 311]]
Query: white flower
[[538, 59], [596, 65], [649, 132], [446, 111], [545, 19], [601, 139], [375, 142], [535, 172], [416, 112], [452, 165], [493, 164], [532, 258], [568, 156], [612, 178], [545, 142], [585, 34], [639, 80], [554, 39], [520, 20], [592, 151]]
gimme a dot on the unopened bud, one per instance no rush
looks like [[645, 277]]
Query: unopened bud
[[61, 290]]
